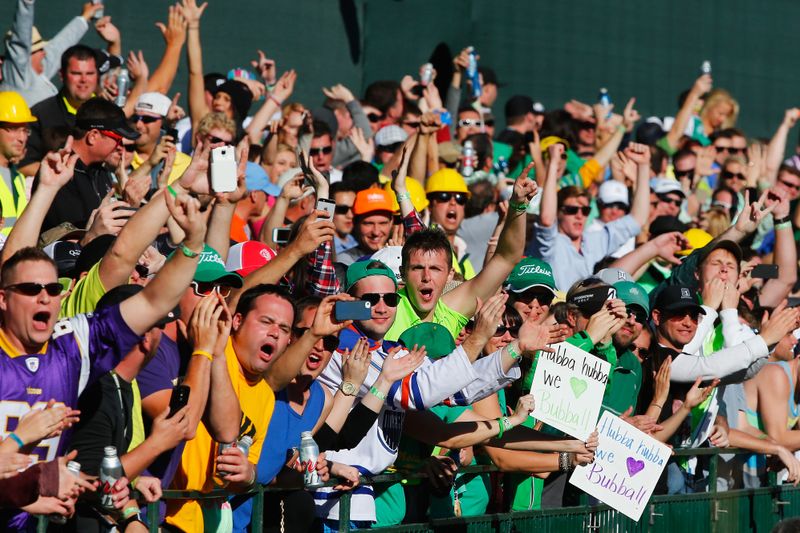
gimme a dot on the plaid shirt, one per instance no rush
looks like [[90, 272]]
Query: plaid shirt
[[322, 279], [413, 223]]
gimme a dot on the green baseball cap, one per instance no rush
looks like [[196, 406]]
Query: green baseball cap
[[530, 273], [632, 293], [371, 267], [434, 337], [212, 268]]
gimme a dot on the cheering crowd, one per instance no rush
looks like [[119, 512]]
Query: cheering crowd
[[199, 328]]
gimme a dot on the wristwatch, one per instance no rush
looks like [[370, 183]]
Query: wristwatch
[[348, 389]]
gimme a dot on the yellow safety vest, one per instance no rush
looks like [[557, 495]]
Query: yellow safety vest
[[12, 202]]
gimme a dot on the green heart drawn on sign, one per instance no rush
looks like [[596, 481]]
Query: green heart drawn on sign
[[578, 386]]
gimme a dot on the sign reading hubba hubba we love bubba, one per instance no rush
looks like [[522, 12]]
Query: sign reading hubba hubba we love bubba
[[568, 387], [626, 467]]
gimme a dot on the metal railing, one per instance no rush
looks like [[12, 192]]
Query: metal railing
[[734, 510]]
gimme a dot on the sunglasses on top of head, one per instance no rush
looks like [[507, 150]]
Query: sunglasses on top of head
[[34, 289], [575, 209], [445, 197], [389, 298]]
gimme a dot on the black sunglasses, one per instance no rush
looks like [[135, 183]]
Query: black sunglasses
[[684, 173], [444, 197], [575, 209], [329, 342], [412, 123], [389, 298], [730, 150], [217, 140], [502, 329], [643, 353], [668, 200], [638, 314], [725, 175], [374, 117], [615, 205], [129, 147], [342, 209], [543, 297], [147, 119], [34, 289], [321, 150]]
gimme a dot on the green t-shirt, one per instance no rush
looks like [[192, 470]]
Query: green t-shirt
[[406, 317], [626, 377], [85, 295]]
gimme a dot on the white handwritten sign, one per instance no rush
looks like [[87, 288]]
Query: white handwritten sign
[[626, 467], [568, 387]]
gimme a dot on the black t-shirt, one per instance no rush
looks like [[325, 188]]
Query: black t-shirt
[[106, 420]]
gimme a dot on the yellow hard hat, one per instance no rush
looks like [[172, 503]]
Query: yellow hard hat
[[697, 239], [550, 140], [13, 108], [446, 180], [416, 191]]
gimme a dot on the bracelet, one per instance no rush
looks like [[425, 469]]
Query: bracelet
[[501, 428], [623, 129], [781, 220], [564, 462], [507, 423], [783, 225], [519, 207], [377, 393], [204, 354], [15, 438], [512, 352], [172, 191], [188, 253], [403, 196], [275, 99], [129, 511], [657, 405]]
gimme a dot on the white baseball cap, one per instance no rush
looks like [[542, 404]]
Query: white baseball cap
[[613, 191], [153, 103]]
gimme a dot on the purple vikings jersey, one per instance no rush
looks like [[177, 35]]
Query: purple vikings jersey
[[81, 349]]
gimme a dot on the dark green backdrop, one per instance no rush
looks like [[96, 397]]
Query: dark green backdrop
[[550, 50]]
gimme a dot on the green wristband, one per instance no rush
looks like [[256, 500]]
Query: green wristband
[[518, 206], [172, 191], [502, 429], [378, 394], [783, 225], [15, 438], [187, 252], [512, 352], [403, 196]]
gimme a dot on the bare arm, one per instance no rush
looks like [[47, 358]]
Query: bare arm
[[283, 90], [509, 252], [548, 207], [777, 145], [785, 257], [174, 33], [773, 390], [701, 86], [640, 208], [194, 54]]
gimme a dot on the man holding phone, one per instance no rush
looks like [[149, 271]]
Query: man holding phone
[[149, 119]]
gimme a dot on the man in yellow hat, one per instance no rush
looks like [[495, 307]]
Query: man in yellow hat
[[15, 120], [30, 61], [448, 195]]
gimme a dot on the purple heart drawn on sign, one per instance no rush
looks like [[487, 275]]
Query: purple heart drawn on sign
[[634, 466]]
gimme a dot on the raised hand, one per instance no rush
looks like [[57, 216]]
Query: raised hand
[[669, 244], [167, 433], [174, 32], [365, 147], [702, 85], [644, 423], [339, 92], [489, 316], [603, 324], [579, 110], [314, 232], [107, 31], [285, 85], [783, 320], [12, 463], [638, 153], [192, 12], [108, 219], [697, 394], [524, 187], [535, 337], [461, 61], [175, 112], [186, 212], [266, 68], [752, 214], [730, 297], [195, 177], [713, 291], [208, 324], [662, 382], [58, 167], [719, 436], [137, 65], [525, 406], [45, 423], [89, 9], [790, 117], [355, 363], [396, 368], [429, 123], [630, 116], [324, 324]]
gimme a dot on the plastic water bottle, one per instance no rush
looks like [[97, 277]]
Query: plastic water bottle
[[309, 453], [605, 101], [427, 74], [74, 468], [244, 444], [473, 75], [705, 68], [123, 84], [468, 159], [110, 473], [100, 12]]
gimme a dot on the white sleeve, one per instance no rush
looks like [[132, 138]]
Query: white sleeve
[[705, 327], [490, 379], [688, 367], [733, 331], [433, 382]]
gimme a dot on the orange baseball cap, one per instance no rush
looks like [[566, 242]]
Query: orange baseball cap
[[372, 199]]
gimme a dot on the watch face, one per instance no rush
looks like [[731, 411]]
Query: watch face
[[348, 388]]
